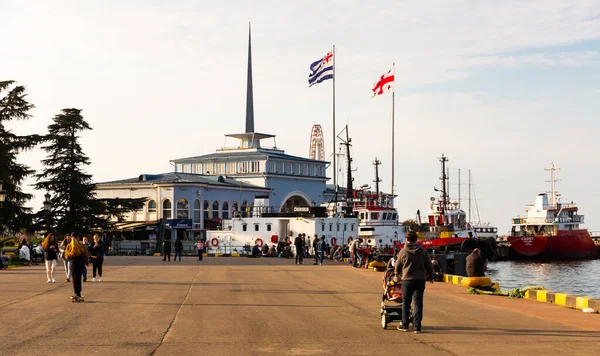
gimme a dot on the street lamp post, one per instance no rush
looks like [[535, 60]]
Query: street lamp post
[[47, 207]]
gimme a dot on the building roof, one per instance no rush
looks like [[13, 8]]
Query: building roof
[[245, 154], [172, 177]]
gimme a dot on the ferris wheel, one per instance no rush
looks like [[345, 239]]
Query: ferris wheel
[[317, 143]]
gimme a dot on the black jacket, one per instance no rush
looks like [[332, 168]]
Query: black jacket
[[97, 252], [50, 254], [178, 245], [167, 246]]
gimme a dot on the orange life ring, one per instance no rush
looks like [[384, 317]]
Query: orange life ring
[[259, 242], [214, 241], [333, 241]]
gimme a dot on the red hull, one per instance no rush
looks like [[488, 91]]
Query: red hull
[[437, 243], [566, 245]]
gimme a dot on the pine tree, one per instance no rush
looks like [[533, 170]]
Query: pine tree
[[14, 215], [74, 207]]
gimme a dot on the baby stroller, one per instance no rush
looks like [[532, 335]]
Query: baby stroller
[[392, 292]]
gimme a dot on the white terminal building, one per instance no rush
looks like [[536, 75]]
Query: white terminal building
[[203, 190]]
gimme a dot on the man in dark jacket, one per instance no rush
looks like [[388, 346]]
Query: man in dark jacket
[[167, 250], [475, 264], [414, 268], [299, 243]]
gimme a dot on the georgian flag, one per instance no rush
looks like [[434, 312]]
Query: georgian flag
[[385, 83], [321, 70]]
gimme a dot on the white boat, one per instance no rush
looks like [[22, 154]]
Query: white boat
[[267, 226]]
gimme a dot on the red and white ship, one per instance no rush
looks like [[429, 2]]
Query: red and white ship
[[552, 230]]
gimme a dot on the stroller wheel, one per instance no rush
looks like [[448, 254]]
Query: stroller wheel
[[384, 321]]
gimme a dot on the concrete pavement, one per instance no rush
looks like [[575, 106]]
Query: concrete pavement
[[242, 306]]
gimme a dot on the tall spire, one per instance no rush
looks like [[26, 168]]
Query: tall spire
[[249, 96]]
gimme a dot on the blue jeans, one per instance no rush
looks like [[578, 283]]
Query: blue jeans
[[321, 255], [412, 291], [177, 253]]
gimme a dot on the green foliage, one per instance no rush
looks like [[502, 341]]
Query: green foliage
[[8, 242], [74, 207], [410, 223], [14, 215]]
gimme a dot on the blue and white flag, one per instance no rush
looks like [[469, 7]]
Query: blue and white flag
[[321, 70]]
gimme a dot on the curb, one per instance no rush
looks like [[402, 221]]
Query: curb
[[563, 299], [452, 279]]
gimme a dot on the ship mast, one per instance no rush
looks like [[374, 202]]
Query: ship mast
[[377, 163], [347, 143], [444, 180], [554, 193]]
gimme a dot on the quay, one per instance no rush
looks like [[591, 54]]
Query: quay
[[267, 306]]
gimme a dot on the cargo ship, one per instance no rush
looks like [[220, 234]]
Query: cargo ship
[[552, 230]]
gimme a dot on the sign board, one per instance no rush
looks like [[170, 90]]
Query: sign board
[[301, 209], [179, 223]]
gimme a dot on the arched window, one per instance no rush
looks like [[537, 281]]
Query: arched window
[[167, 208], [183, 209], [152, 206], [236, 209], [225, 210], [206, 209], [197, 211], [215, 209]]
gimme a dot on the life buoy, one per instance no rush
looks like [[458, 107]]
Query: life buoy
[[214, 241], [259, 242], [333, 241], [274, 239]]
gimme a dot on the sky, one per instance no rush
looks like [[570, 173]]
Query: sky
[[503, 89]]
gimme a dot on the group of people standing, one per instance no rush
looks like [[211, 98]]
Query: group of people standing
[[168, 246], [76, 256], [319, 246]]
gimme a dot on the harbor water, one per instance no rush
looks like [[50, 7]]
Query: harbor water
[[581, 278]]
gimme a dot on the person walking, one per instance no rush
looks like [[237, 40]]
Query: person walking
[[78, 255], [178, 249], [167, 250], [414, 268], [315, 248], [322, 248], [62, 247], [200, 248], [299, 243], [97, 257], [50, 247], [86, 244]]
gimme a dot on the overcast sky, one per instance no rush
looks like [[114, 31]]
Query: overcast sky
[[503, 88]]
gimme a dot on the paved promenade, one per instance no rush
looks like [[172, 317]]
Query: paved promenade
[[241, 306]]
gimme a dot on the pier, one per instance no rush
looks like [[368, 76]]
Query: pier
[[267, 306]]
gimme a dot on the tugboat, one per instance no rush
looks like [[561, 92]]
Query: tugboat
[[446, 227], [378, 223], [551, 230]]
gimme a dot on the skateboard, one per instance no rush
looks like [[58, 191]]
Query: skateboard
[[77, 299]]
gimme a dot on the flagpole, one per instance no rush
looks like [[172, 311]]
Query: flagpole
[[333, 132], [393, 111]]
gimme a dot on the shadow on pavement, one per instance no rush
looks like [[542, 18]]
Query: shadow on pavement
[[500, 331]]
